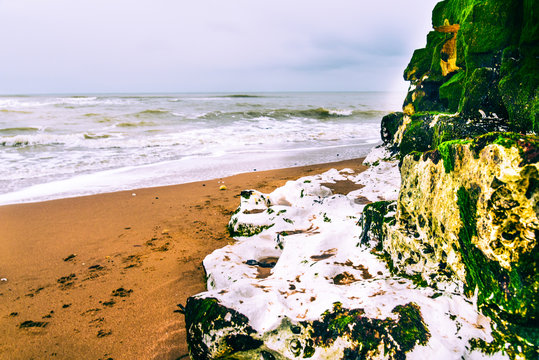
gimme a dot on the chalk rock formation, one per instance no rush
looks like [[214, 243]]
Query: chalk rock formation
[[445, 270], [303, 282]]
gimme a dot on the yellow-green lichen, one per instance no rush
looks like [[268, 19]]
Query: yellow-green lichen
[[476, 224]]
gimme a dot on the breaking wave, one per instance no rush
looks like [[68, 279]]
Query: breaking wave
[[18, 130], [135, 124], [235, 96], [35, 140], [151, 113], [319, 114]]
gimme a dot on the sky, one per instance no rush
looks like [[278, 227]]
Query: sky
[[119, 46]]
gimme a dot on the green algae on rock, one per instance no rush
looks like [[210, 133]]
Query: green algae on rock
[[471, 220], [328, 295], [217, 332], [480, 60], [373, 218], [427, 130], [253, 202], [371, 337], [203, 317], [459, 244]]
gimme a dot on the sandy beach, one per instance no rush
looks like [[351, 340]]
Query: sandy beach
[[101, 277]]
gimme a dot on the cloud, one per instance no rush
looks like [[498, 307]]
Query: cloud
[[208, 45]]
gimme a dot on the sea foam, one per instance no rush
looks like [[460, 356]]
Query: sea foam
[[69, 142]]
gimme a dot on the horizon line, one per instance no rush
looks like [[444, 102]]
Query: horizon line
[[194, 92]]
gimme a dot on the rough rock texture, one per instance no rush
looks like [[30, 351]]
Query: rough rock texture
[[302, 282], [467, 219], [447, 270], [477, 74], [481, 57], [467, 213]]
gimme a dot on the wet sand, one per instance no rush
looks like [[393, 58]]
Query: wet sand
[[101, 276]]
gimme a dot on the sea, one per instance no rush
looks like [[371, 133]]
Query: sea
[[58, 146]]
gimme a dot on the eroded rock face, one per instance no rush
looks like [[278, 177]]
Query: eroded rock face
[[446, 270], [467, 219], [476, 59], [480, 61], [309, 280]]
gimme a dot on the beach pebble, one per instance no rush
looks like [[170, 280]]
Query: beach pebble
[[222, 187]]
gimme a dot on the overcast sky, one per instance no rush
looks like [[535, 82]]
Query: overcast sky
[[88, 46]]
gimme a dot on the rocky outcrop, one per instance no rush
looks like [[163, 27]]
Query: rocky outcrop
[[448, 268], [467, 216], [480, 60], [477, 74], [302, 282], [467, 213]]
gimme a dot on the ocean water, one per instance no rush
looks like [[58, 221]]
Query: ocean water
[[63, 146]]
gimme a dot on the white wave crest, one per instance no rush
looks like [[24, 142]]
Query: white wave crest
[[340, 112]]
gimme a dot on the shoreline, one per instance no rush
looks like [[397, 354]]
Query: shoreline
[[100, 276], [182, 171]]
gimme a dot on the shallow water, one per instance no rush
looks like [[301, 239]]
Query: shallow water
[[62, 146]]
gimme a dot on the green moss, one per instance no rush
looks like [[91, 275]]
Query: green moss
[[372, 220], [530, 23], [416, 155], [419, 64], [437, 41], [412, 329], [519, 87], [498, 54], [390, 125], [308, 351], [384, 256], [453, 10], [451, 91], [242, 342], [246, 230], [447, 151], [397, 337], [481, 93], [502, 294], [528, 145], [246, 194], [485, 26], [417, 136], [490, 26], [204, 316], [426, 61], [417, 279]]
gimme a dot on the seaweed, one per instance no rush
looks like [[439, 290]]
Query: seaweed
[[372, 220], [204, 317], [397, 337], [447, 151], [502, 294], [236, 229]]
